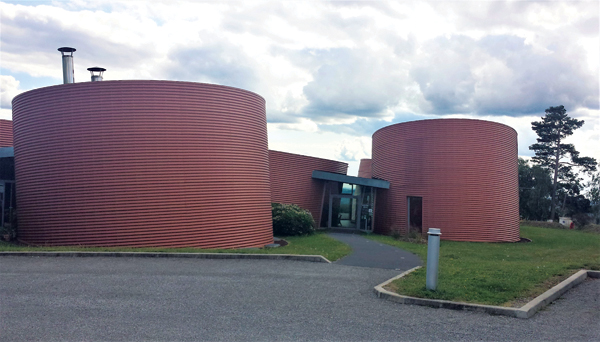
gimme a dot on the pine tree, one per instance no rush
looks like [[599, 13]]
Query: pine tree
[[553, 153]]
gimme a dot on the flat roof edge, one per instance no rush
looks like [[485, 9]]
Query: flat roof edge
[[376, 183]]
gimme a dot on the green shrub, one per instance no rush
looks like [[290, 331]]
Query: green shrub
[[291, 220]]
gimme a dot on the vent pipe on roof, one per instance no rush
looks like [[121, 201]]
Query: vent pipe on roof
[[67, 64], [97, 73]]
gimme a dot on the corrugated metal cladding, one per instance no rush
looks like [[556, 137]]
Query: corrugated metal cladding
[[292, 182], [464, 170], [142, 163], [6, 133], [364, 168]]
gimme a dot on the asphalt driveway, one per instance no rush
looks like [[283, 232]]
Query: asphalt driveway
[[369, 253], [136, 299]]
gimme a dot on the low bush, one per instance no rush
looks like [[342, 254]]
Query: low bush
[[291, 220], [591, 227], [582, 219]]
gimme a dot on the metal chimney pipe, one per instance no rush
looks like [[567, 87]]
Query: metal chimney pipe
[[67, 64], [96, 73]]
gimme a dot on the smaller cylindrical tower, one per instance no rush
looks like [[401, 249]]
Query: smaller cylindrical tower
[[364, 169], [97, 73], [67, 64], [457, 175]]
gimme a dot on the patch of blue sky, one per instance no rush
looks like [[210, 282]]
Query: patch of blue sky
[[31, 2], [368, 126], [28, 82], [65, 4]]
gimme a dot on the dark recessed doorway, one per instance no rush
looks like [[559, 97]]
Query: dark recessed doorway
[[415, 214]]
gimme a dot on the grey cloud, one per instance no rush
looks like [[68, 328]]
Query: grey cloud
[[274, 116], [444, 75], [26, 34], [500, 75], [403, 48], [353, 83], [216, 63], [287, 112], [589, 27]]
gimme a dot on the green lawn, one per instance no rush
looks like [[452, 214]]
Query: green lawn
[[316, 244], [501, 273]]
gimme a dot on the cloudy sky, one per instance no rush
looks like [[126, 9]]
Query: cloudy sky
[[332, 73]]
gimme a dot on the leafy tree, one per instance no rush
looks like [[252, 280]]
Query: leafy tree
[[551, 151], [593, 194], [535, 187], [569, 189]]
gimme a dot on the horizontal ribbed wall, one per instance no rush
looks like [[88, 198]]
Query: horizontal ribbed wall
[[292, 182], [142, 163], [465, 171], [364, 168], [6, 133]]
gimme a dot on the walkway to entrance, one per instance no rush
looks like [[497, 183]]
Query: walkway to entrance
[[369, 253]]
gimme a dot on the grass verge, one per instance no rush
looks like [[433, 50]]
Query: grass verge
[[316, 244], [506, 274]]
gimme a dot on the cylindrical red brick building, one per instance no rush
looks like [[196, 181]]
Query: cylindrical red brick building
[[292, 182], [364, 168], [142, 163], [458, 175], [6, 133]]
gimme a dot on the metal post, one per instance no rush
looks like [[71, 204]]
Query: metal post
[[433, 256], [67, 62]]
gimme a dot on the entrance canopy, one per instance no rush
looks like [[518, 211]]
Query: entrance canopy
[[347, 201], [336, 177]]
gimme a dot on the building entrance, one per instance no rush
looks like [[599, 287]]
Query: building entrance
[[343, 211], [351, 209], [348, 202]]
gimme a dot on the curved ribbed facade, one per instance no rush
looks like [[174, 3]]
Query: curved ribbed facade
[[364, 168], [6, 133], [464, 170], [292, 182], [142, 163]]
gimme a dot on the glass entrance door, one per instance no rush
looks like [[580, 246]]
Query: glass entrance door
[[366, 209], [343, 212]]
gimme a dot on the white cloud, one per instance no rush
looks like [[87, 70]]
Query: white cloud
[[354, 149], [9, 88]]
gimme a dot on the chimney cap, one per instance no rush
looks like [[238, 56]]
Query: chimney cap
[[96, 69], [67, 49]]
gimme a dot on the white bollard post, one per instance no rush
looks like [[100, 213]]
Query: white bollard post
[[433, 256]]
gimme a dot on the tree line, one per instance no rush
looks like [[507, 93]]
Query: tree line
[[552, 183]]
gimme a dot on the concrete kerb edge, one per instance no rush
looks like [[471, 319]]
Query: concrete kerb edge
[[525, 311], [310, 258]]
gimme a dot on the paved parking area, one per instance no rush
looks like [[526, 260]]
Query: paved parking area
[[137, 299]]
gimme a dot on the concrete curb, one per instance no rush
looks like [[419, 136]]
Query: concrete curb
[[525, 311], [310, 258]]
